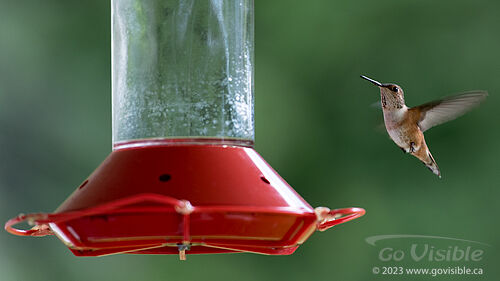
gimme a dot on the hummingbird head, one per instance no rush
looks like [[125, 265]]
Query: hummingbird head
[[391, 95]]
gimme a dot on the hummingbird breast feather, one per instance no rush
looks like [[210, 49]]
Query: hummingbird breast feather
[[402, 131], [404, 138]]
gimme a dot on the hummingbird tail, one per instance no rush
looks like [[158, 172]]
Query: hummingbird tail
[[431, 164]]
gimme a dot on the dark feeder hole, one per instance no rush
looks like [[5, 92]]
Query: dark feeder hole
[[164, 177], [265, 180], [83, 184]]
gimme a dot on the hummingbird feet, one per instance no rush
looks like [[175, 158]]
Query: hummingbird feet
[[410, 150], [412, 147]]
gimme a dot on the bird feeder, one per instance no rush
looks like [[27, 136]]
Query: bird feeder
[[183, 177]]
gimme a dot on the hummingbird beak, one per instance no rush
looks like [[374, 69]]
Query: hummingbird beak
[[373, 81]]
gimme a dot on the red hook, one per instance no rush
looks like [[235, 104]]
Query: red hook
[[328, 218]]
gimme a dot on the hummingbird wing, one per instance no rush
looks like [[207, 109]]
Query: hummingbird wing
[[440, 111], [380, 126], [376, 105]]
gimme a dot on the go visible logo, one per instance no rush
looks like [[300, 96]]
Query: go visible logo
[[428, 248]]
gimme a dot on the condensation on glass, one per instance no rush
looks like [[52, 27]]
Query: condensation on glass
[[182, 69]]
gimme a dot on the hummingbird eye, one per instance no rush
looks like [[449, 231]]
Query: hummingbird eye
[[395, 89]]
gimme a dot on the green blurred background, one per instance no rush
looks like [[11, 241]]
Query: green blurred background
[[314, 125]]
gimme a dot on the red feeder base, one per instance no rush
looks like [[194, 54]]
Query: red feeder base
[[176, 198]]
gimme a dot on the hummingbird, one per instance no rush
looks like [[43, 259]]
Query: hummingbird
[[406, 126]]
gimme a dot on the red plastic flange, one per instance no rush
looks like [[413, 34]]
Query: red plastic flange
[[131, 204]]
